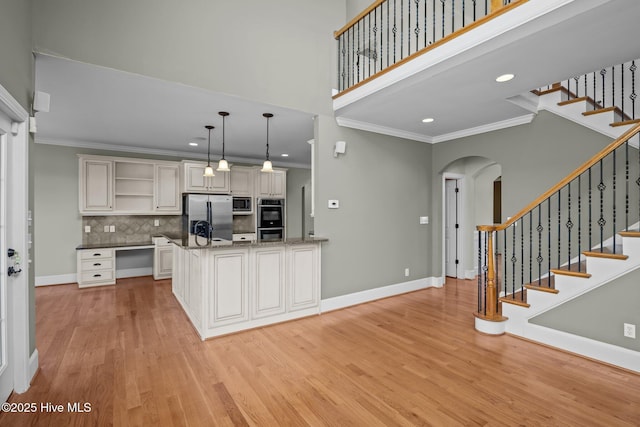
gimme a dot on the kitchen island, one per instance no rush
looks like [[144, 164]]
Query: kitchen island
[[226, 287]]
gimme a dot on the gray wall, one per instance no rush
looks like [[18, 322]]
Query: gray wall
[[16, 72], [601, 313], [296, 179], [279, 52], [383, 186], [533, 157], [16, 76]]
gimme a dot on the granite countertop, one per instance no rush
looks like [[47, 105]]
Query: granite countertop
[[113, 245], [227, 244]]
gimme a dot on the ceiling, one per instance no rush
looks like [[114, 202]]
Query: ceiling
[[541, 42], [98, 107]]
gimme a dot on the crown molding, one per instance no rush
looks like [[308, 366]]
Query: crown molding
[[503, 124], [152, 151], [384, 130], [355, 124]]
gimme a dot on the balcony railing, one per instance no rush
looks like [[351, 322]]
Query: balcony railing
[[391, 31]]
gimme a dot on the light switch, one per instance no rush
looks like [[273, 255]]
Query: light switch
[[106, 228], [112, 229], [156, 223], [87, 229], [424, 220], [334, 204]]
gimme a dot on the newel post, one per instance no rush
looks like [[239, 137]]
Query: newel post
[[491, 295]]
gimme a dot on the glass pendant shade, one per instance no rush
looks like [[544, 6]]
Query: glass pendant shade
[[208, 171], [223, 166], [267, 166]]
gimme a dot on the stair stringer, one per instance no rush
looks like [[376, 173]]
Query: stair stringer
[[602, 271], [597, 122]]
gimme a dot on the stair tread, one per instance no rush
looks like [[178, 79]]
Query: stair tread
[[599, 110], [625, 123], [629, 233], [605, 252], [519, 298], [575, 269], [546, 284], [573, 101]]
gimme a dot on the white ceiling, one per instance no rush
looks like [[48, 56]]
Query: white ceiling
[[93, 106], [541, 42]]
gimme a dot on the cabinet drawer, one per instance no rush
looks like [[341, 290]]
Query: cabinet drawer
[[96, 276], [244, 237], [97, 264], [161, 241], [97, 253]]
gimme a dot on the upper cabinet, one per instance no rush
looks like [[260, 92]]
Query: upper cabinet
[[123, 186], [96, 186], [271, 184], [196, 182], [242, 178]]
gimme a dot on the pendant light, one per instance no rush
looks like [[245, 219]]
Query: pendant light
[[208, 171], [267, 166], [223, 165]]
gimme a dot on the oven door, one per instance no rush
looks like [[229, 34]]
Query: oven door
[[270, 234], [270, 217]]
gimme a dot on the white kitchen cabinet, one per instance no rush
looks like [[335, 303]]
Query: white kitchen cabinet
[[242, 180], [96, 186], [271, 184], [167, 191], [96, 267], [303, 276], [268, 281], [196, 182], [127, 186], [162, 258], [194, 296], [179, 270], [228, 294]]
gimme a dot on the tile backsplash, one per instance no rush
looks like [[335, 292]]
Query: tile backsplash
[[129, 228]]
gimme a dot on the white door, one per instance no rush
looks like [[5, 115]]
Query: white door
[[6, 371], [451, 228]]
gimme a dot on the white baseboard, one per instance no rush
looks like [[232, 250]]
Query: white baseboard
[[355, 298], [58, 279], [470, 274], [134, 272], [613, 354], [33, 364], [62, 279]]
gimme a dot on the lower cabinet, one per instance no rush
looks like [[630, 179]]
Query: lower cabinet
[[96, 267], [162, 258], [225, 290]]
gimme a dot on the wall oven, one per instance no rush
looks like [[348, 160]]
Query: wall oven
[[270, 219]]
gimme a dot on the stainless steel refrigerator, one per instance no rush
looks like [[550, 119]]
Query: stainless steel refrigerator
[[207, 218]]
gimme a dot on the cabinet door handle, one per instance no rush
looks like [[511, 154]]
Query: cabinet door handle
[[97, 254], [97, 275], [95, 264]]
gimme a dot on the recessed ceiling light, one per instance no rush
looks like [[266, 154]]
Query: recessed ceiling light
[[193, 144], [284, 155], [427, 120], [504, 78]]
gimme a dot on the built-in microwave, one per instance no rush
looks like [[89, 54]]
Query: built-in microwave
[[242, 206]]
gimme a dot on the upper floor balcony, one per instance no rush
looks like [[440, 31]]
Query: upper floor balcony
[[402, 61]]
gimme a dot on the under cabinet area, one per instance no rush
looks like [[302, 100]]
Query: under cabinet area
[[227, 289], [123, 186]]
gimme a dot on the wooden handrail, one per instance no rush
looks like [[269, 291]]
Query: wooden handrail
[[361, 15], [573, 175]]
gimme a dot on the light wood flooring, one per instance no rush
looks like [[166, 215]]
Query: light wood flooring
[[414, 359]]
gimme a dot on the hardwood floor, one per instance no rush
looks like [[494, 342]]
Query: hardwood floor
[[414, 359]]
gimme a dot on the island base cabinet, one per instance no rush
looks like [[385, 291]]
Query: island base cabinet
[[228, 296], [229, 289], [268, 282], [303, 278]]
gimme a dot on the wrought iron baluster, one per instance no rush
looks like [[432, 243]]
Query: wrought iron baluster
[[474, 9], [480, 271], [633, 95], [513, 258], [394, 30], [603, 73], [530, 246], [402, 29], [539, 229], [559, 227], [425, 23], [594, 91], [369, 55], [442, 1], [622, 91], [626, 185], [569, 224], [601, 222], [375, 39], [388, 31], [585, 86], [613, 86], [341, 61], [486, 267], [614, 200], [381, 37], [590, 247], [549, 234], [463, 12], [433, 18], [577, 94], [417, 30], [453, 16], [579, 219], [358, 53], [504, 259]]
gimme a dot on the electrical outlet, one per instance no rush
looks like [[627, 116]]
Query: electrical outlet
[[630, 330], [406, 272], [112, 229], [106, 228], [87, 229], [334, 204], [156, 223]]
